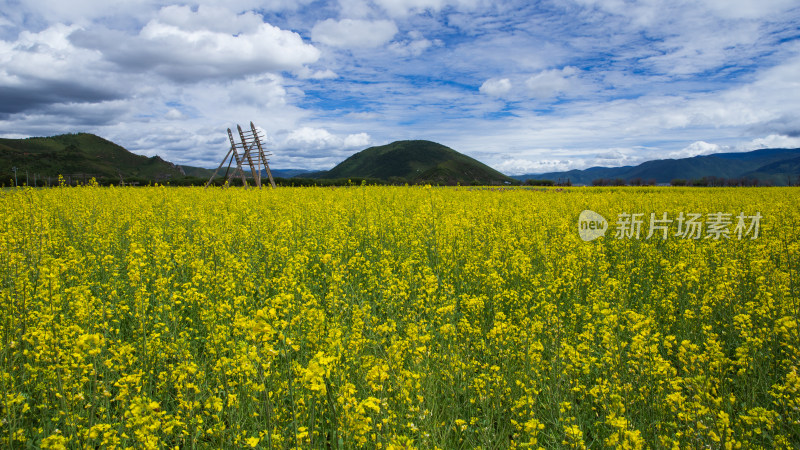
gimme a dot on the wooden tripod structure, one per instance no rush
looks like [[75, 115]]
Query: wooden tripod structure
[[248, 151]]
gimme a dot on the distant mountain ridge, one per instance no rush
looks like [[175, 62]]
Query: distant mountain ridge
[[80, 155], [779, 166], [415, 161]]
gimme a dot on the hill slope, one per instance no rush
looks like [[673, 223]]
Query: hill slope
[[777, 166], [81, 154], [416, 162]]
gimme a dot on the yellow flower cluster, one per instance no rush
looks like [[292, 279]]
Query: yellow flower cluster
[[394, 317]]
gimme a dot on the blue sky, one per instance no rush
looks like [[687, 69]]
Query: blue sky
[[525, 87]]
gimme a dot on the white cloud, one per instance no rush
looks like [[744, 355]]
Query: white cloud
[[77, 11], [178, 52], [686, 38], [697, 50], [264, 91], [359, 140], [613, 157], [44, 68], [551, 83], [47, 54], [496, 87], [695, 149], [174, 114], [306, 73], [405, 7], [311, 138], [518, 166], [648, 13], [354, 33], [209, 18], [168, 78], [363, 116], [307, 140], [179, 45], [747, 9], [414, 46], [401, 8], [355, 8], [773, 141], [83, 12]]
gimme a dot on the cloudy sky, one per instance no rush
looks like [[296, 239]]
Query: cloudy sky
[[524, 86]]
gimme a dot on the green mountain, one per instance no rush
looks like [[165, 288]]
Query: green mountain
[[198, 172], [416, 162], [785, 171], [79, 157], [778, 166]]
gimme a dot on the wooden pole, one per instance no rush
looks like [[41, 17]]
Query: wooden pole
[[261, 154], [220, 166], [247, 156], [239, 168], [249, 142], [252, 156]]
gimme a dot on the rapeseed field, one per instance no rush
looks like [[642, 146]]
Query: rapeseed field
[[399, 317]]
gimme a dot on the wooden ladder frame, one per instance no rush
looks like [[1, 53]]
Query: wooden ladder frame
[[252, 154]]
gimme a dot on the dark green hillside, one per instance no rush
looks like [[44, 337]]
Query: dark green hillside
[[785, 172], [197, 172], [416, 162], [80, 156]]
